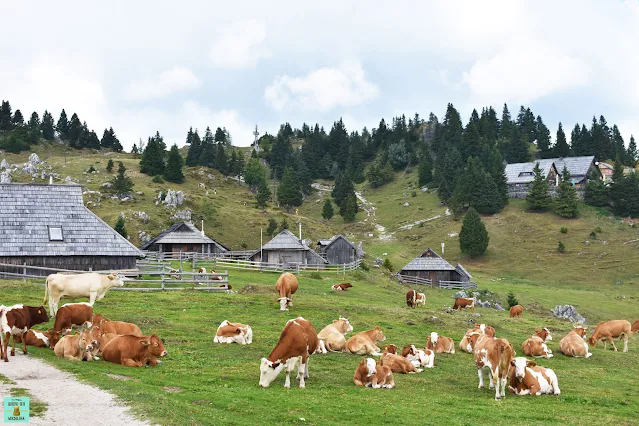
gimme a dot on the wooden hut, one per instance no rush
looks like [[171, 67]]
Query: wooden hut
[[183, 237], [338, 250], [431, 266], [582, 169], [49, 226], [286, 248]]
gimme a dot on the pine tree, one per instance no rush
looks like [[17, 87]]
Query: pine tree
[[63, 125], [325, 166], [106, 141], [109, 167], [231, 166], [220, 136], [561, 148], [208, 150], [121, 183], [538, 198], [47, 126], [289, 193], [254, 173], [5, 116], [152, 162], [284, 224], [221, 161], [18, 118], [631, 154], [120, 227], [506, 125], [305, 179], [173, 172], [134, 149], [263, 194], [34, 128], [543, 139], [348, 209], [195, 149], [566, 203], [473, 237], [518, 151], [425, 171], [327, 210], [497, 172], [596, 193], [272, 226]]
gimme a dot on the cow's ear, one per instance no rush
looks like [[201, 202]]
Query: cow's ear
[[275, 365], [145, 342], [531, 363], [111, 276], [512, 362]]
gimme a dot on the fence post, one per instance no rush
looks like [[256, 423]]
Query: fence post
[[24, 272], [162, 277], [180, 262], [194, 262]]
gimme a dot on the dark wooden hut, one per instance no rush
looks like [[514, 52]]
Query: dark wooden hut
[[185, 237], [429, 265], [286, 248], [338, 250], [49, 226]]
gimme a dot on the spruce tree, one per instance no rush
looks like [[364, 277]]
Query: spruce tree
[[63, 125], [254, 173], [109, 167], [121, 183], [289, 193], [34, 128], [561, 148], [596, 193], [47, 126], [473, 237], [120, 227], [263, 194], [631, 154], [221, 161], [543, 139], [348, 209], [152, 162], [5, 116], [173, 172], [305, 179], [272, 226], [566, 203], [18, 118], [231, 166], [425, 171], [195, 149], [327, 210], [497, 172], [539, 198], [106, 141]]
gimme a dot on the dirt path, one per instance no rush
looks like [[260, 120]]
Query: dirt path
[[69, 402]]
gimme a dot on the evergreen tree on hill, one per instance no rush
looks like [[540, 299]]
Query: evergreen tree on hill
[[631, 154], [63, 125], [497, 171], [543, 139], [624, 192], [173, 172], [221, 160], [425, 170], [566, 203], [506, 125], [232, 164], [473, 237], [152, 161], [596, 193], [446, 173], [327, 210], [120, 227], [34, 129], [18, 118], [106, 141], [109, 167], [304, 176], [220, 136], [452, 127], [121, 183], [195, 149], [5, 116], [561, 148], [208, 150], [518, 151], [618, 147], [254, 173], [263, 197], [75, 132], [282, 151], [539, 198], [348, 209], [289, 193]]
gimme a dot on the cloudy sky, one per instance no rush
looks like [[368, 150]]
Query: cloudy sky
[[156, 65]]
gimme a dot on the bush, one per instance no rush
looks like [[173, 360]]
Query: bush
[[91, 169], [512, 300], [598, 229], [413, 194], [388, 265], [561, 247], [593, 235], [157, 179], [315, 276], [244, 245], [364, 266], [564, 230], [109, 167]]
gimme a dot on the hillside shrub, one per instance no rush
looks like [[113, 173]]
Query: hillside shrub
[[364, 266], [564, 230], [120, 227], [473, 237], [387, 264], [413, 194], [598, 229], [91, 169], [593, 235], [157, 179], [109, 167], [512, 300], [561, 247]]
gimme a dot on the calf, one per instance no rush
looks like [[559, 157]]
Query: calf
[[397, 363], [536, 345], [297, 342], [121, 328], [494, 354], [368, 373], [38, 339], [15, 321], [365, 342], [69, 315], [463, 302], [466, 344], [440, 344], [635, 327], [286, 286], [341, 287], [574, 344], [102, 338], [76, 348], [234, 332], [516, 311], [413, 299], [419, 357], [527, 378], [134, 351], [331, 338], [608, 330]]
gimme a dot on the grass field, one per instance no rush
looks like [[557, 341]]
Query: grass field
[[218, 384]]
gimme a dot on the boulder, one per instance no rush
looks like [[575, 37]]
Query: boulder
[[34, 159], [568, 312], [143, 216], [461, 293], [144, 237], [184, 215], [4, 164], [5, 177], [106, 185], [68, 179], [29, 168], [406, 204], [173, 198]]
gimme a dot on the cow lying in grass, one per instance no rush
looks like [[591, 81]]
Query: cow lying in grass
[[331, 338], [234, 332], [419, 357], [574, 344], [369, 373], [134, 351], [536, 345], [365, 342], [78, 347], [440, 344], [397, 363], [528, 378]]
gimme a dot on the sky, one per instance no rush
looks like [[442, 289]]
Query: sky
[[148, 66]]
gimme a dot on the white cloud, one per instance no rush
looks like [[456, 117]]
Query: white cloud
[[240, 45], [177, 79], [322, 89], [524, 74]]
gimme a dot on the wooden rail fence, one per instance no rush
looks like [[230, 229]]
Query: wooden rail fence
[[453, 285]]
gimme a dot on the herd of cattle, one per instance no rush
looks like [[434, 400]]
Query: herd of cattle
[[124, 343]]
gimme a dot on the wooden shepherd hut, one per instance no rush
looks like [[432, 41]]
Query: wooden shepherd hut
[[183, 237], [286, 248], [429, 265], [49, 226], [338, 250]]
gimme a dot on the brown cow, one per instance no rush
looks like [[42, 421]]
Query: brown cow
[[134, 351], [78, 347], [17, 320], [495, 354], [69, 315], [234, 332], [536, 345], [413, 299], [419, 357], [574, 344], [463, 302], [516, 311], [116, 327], [341, 287], [297, 342], [397, 363], [331, 338], [369, 373], [286, 285], [38, 339], [635, 327], [440, 344], [102, 339], [466, 344], [608, 330], [527, 378], [365, 342]]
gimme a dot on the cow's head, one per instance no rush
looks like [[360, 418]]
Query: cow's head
[[409, 350], [379, 334], [592, 342], [391, 349], [269, 371], [116, 279], [371, 365], [434, 337], [85, 342], [38, 314], [154, 345], [284, 301], [343, 325], [580, 330], [520, 364]]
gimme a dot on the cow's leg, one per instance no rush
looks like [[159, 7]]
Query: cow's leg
[[24, 343], [301, 371], [128, 362], [612, 342], [92, 296], [322, 346], [4, 346], [287, 382], [13, 346], [625, 342], [495, 377], [491, 384], [481, 378]]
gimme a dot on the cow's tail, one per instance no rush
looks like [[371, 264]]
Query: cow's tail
[[46, 291]]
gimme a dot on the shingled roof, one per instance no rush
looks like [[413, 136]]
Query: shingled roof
[[27, 211], [523, 172], [428, 261], [285, 240], [577, 166], [182, 233]]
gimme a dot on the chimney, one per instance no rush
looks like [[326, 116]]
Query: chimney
[[50, 179], [203, 227], [300, 224]]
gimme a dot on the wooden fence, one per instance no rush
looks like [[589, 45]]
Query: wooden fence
[[407, 279]]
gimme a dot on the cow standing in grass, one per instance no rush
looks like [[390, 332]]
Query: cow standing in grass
[[91, 285], [286, 286], [494, 354], [607, 330]]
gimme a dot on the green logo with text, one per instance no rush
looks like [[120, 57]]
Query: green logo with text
[[16, 410]]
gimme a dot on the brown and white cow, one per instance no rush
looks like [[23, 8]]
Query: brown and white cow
[[331, 338], [536, 345], [464, 302], [134, 351], [573, 344], [494, 354], [341, 287], [286, 286], [440, 344], [635, 327], [419, 357], [466, 343], [78, 347], [365, 342], [102, 338], [297, 342], [528, 378], [234, 332], [607, 330], [70, 314], [516, 311], [413, 299], [38, 339], [15, 321], [91, 285], [397, 363], [371, 374]]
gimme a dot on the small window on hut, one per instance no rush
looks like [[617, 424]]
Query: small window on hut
[[55, 233]]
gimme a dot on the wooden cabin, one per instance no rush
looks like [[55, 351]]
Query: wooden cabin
[[183, 237], [338, 250], [429, 265], [286, 248]]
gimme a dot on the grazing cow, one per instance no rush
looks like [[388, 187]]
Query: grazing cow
[[516, 311], [297, 342], [397, 363], [286, 285], [368, 373], [494, 354], [413, 299], [15, 321], [331, 338], [574, 344], [419, 357], [69, 315], [463, 302], [608, 330], [536, 345], [365, 342], [91, 285], [635, 327], [38, 339], [341, 287], [527, 378], [440, 344], [76, 348], [134, 351], [234, 332]]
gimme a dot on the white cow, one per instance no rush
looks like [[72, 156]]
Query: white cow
[[91, 285]]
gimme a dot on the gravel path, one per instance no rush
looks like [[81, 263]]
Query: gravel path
[[69, 402]]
